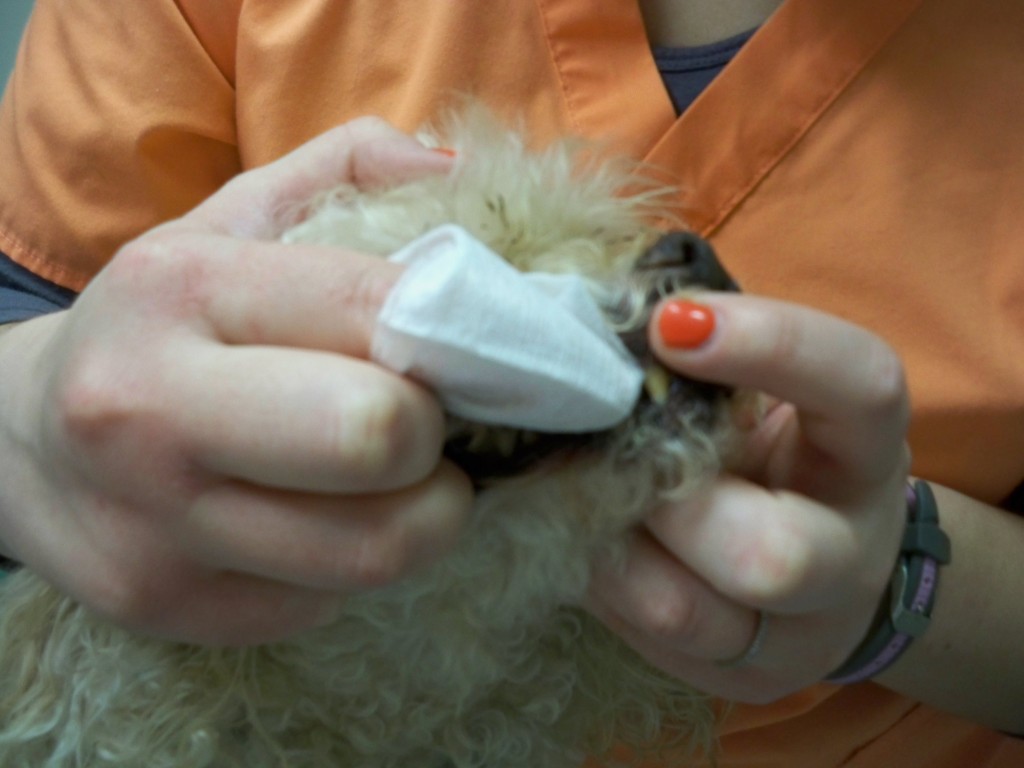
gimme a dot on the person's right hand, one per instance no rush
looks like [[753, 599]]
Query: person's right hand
[[198, 449]]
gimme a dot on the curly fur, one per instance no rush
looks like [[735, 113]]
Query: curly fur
[[483, 660]]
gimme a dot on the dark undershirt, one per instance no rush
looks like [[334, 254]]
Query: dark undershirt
[[24, 295], [685, 71]]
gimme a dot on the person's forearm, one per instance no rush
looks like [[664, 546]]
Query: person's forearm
[[5, 552], [13, 361], [971, 659]]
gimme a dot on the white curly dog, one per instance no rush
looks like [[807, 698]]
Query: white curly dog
[[484, 660]]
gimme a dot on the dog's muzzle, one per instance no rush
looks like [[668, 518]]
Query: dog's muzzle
[[676, 262]]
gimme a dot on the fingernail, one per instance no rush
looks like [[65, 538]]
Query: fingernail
[[685, 324], [446, 151]]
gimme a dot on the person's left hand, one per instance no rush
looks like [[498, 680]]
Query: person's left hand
[[807, 527]]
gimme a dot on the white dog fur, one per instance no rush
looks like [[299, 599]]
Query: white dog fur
[[482, 661]]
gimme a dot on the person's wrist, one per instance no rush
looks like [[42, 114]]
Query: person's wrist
[[21, 344], [906, 608]]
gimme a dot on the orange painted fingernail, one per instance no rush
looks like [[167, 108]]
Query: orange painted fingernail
[[446, 151], [685, 324]]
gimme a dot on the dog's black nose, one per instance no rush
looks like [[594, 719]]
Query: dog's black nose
[[676, 261], [684, 259]]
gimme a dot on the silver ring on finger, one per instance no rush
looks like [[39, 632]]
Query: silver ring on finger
[[748, 654]]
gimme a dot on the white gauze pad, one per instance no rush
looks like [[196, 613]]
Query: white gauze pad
[[499, 346]]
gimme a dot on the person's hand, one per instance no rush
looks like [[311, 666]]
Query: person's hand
[[806, 530], [198, 448]]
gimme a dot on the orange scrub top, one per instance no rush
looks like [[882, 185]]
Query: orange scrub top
[[863, 157]]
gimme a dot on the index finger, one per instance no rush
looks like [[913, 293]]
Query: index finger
[[224, 259], [366, 152], [846, 383]]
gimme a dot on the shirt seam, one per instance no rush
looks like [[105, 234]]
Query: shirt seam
[[557, 66], [774, 158]]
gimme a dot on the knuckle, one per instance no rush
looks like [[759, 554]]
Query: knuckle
[[367, 286], [97, 398], [143, 260], [168, 267], [127, 598], [888, 393], [672, 616], [453, 498], [773, 568], [412, 531], [380, 558], [92, 399], [359, 136], [785, 339], [370, 431], [384, 435]]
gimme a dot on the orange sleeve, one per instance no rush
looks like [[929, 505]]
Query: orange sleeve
[[118, 116]]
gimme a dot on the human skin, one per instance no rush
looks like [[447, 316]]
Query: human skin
[[807, 529], [198, 449], [699, 22]]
